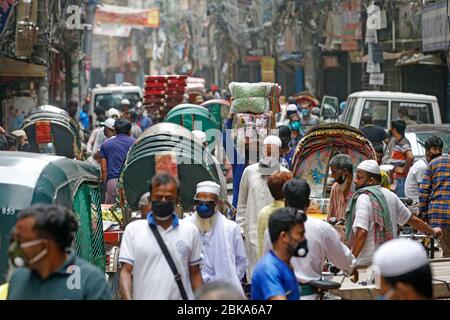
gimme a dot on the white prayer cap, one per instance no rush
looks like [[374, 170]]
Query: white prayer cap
[[208, 187], [125, 102], [19, 133], [272, 140], [291, 107], [370, 166], [200, 135], [109, 123], [112, 112], [144, 199], [399, 256]]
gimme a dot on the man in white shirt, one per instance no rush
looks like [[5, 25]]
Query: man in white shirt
[[145, 273], [98, 136], [374, 213], [254, 194], [433, 149], [224, 257], [324, 242]]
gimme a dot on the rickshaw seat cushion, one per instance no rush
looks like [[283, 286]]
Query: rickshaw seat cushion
[[324, 284]]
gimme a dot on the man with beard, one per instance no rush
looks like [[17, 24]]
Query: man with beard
[[373, 214], [433, 149], [342, 190], [223, 249], [254, 194]]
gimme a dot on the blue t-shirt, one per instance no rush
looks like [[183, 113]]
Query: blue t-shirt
[[115, 151], [273, 277]]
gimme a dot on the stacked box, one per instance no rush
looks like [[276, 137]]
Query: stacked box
[[162, 93]]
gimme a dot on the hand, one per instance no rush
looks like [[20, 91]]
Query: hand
[[2, 131], [437, 232], [354, 277]]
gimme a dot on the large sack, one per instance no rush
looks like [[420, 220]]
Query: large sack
[[251, 105], [246, 90]]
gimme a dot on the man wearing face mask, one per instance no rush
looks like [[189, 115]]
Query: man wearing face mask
[[224, 257], [341, 167], [287, 153], [433, 149], [308, 119], [404, 269], [297, 131], [47, 266], [273, 277], [373, 214], [254, 194], [324, 242], [145, 273]]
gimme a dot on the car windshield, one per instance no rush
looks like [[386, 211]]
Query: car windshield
[[417, 140], [112, 100], [412, 112]]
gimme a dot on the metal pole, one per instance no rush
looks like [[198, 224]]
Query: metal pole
[[90, 16]]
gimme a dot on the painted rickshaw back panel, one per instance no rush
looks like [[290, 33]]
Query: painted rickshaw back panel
[[320, 145]]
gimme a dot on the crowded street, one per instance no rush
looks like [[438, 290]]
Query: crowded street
[[224, 150]]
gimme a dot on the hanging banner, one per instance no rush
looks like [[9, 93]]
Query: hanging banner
[[435, 30], [128, 16], [112, 30]]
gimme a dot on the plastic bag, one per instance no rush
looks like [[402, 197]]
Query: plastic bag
[[246, 90]]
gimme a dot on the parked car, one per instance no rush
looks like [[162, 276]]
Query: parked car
[[111, 96], [384, 107]]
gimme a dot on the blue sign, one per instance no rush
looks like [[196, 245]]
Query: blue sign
[[5, 12]]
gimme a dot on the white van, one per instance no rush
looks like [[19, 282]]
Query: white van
[[112, 95], [384, 106]]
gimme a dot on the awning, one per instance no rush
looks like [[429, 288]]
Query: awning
[[419, 58], [14, 68]]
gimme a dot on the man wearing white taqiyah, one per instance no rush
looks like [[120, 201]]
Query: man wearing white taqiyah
[[224, 257], [404, 270], [254, 194], [373, 214]]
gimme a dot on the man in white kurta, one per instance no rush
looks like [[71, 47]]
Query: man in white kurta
[[224, 257], [254, 194]]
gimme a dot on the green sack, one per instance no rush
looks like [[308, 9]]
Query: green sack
[[246, 90], [252, 105]]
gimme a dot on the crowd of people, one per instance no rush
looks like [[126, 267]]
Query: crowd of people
[[274, 249]]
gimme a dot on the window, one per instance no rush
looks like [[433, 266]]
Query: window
[[416, 112], [378, 110], [348, 112], [108, 100]]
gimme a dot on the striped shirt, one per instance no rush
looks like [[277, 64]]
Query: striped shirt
[[435, 193], [399, 151]]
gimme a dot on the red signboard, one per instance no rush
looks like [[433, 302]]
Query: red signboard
[[43, 132]]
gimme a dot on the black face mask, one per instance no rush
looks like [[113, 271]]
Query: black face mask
[[341, 179], [300, 250], [163, 209], [25, 147], [434, 155]]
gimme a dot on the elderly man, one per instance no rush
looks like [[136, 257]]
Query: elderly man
[[405, 271], [254, 194], [373, 214], [341, 167], [223, 249]]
